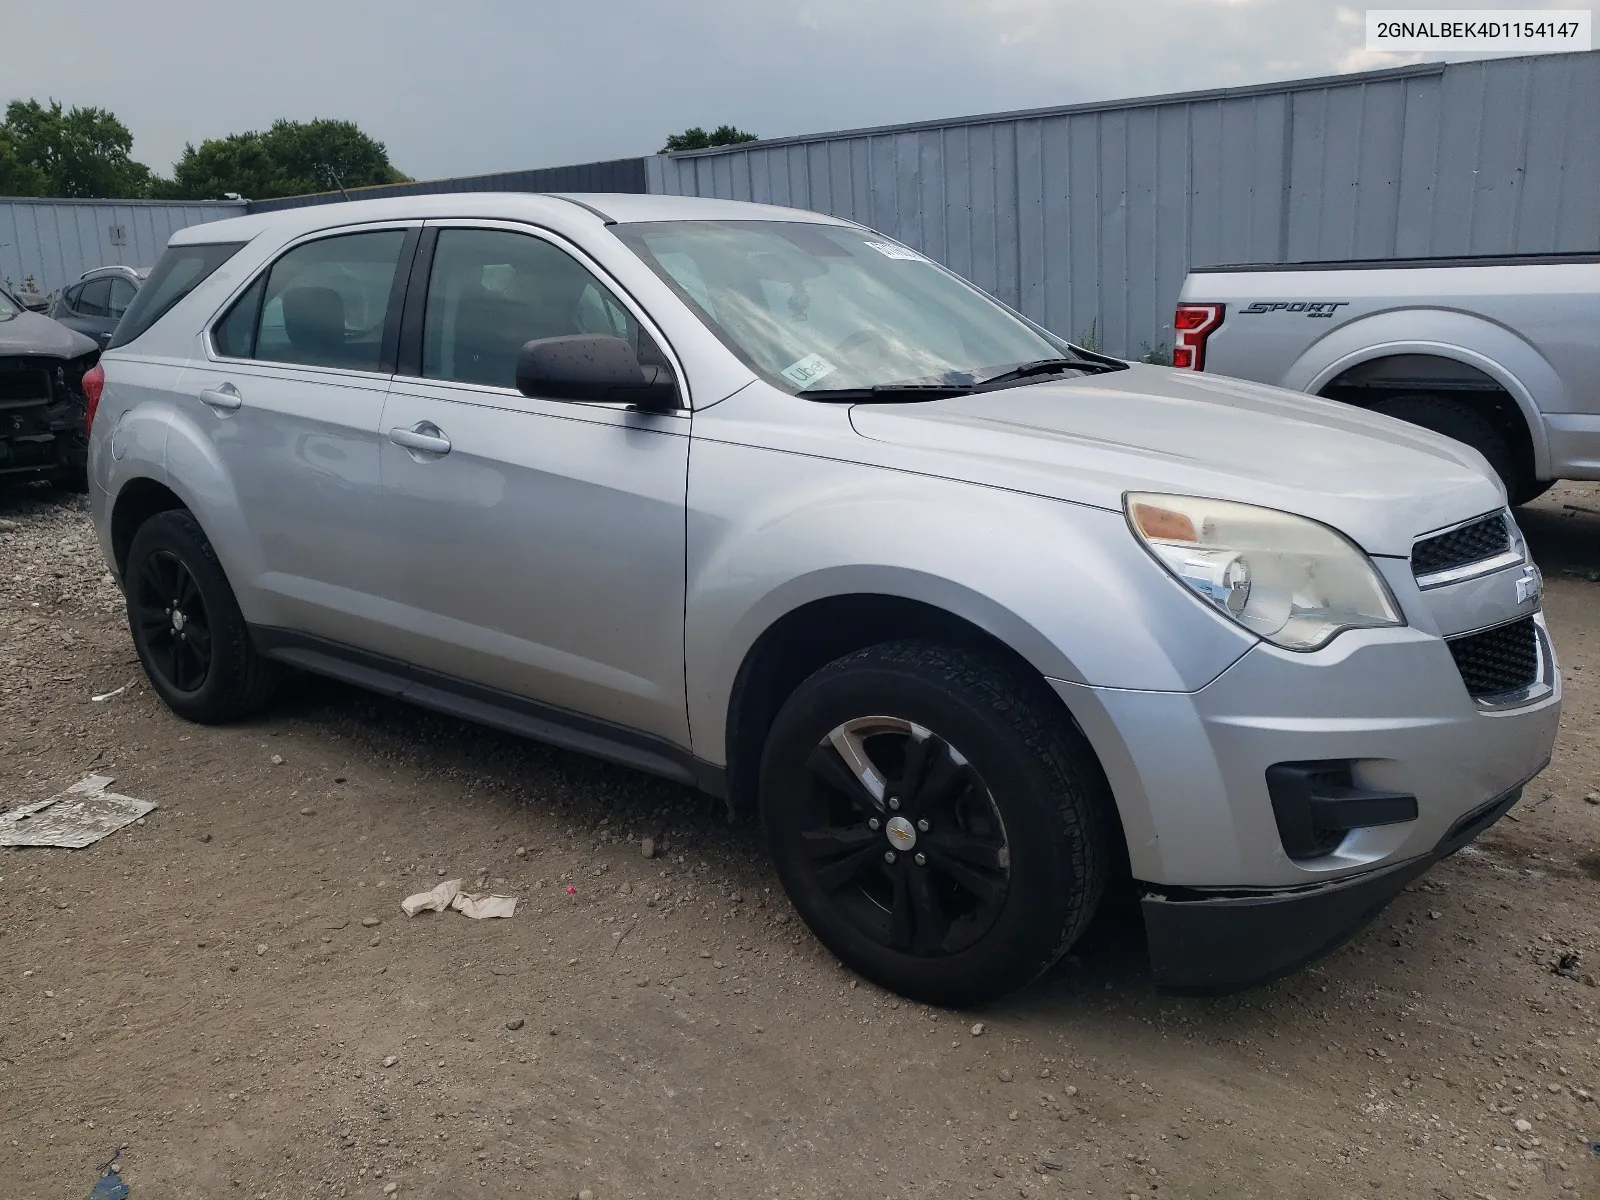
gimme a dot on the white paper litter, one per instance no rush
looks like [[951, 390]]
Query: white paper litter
[[73, 819], [449, 895], [480, 907], [112, 692], [436, 900]]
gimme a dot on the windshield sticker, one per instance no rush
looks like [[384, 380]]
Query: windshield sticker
[[808, 370], [890, 250]]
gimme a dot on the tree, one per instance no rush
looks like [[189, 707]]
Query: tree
[[80, 152], [17, 178], [289, 159], [699, 139]]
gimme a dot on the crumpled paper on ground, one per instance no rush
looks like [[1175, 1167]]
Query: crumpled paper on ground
[[449, 895], [73, 819]]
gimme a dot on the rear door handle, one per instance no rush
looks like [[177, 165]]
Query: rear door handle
[[424, 437], [224, 397]]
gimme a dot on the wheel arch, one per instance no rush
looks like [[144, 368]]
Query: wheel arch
[[1473, 347], [1389, 376], [139, 499], [813, 634]]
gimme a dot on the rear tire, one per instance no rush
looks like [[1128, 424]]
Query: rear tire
[[186, 624], [1456, 420], [990, 850]]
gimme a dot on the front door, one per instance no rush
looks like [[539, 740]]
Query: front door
[[290, 394], [536, 547]]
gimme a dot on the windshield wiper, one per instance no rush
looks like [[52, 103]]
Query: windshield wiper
[[1045, 366], [889, 392]]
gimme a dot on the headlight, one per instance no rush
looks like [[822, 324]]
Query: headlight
[[1286, 578]]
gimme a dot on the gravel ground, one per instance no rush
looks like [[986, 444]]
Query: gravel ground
[[230, 991]]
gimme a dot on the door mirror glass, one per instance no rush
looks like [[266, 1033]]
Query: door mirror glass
[[597, 368]]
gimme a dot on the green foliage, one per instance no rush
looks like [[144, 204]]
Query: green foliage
[[699, 139], [290, 159], [1159, 355], [79, 152], [1090, 341]]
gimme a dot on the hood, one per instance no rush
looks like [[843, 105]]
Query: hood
[[1378, 480], [34, 333]]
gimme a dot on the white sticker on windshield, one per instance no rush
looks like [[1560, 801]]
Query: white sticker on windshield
[[808, 370], [890, 250]]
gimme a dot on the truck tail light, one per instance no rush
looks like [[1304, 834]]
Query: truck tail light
[[1193, 324], [94, 382]]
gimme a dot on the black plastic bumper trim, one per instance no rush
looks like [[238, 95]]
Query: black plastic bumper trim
[[1317, 803], [1211, 941]]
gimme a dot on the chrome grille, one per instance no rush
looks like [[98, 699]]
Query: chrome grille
[[1499, 660], [1462, 546]]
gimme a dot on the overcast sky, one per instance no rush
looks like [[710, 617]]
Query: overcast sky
[[467, 86]]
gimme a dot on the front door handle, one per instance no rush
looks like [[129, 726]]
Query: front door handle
[[224, 397], [424, 437]]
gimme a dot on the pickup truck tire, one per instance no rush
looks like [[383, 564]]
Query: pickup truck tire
[[1457, 420], [186, 624], [939, 824]]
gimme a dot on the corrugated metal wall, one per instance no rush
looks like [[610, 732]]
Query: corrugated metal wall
[[612, 175], [1089, 217], [55, 241]]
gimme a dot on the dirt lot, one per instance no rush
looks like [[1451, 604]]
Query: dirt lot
[[208, 989]]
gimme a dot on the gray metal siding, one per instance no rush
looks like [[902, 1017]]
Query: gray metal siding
[[1088, 217], [56, 241]]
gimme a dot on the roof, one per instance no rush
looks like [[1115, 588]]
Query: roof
[[123, 269], [609, 208]]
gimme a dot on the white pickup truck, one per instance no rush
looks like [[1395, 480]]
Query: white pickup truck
[[1501, 353]]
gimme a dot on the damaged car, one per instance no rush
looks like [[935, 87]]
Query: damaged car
[[42, 403]]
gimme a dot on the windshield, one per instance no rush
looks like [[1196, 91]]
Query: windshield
[[823, 308]]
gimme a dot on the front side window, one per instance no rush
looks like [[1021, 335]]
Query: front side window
[[492, 290], [830, 308]]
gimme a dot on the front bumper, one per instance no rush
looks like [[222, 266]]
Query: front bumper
[[1226, 904], [1210, 942]]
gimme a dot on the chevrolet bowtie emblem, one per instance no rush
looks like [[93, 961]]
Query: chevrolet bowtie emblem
[[1529, 586]]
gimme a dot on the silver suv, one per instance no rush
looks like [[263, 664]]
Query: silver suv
[[977, 621]]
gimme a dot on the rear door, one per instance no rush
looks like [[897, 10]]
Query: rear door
[[536, 547], [290, 394]]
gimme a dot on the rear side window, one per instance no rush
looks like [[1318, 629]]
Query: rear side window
[[94, 300], [178, 271], [122, 293], [323, 304]]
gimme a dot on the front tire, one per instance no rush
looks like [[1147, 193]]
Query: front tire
[[935, 821], [187, 628]]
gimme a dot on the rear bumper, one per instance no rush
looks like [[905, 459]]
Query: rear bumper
[[1211, 941]]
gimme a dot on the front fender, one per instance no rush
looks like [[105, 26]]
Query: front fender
[[1509, 360], [1065, 586]]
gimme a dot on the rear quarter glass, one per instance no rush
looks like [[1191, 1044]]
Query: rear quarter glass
[[178, 272]]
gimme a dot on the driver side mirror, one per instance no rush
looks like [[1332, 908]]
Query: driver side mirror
[[594, 368]]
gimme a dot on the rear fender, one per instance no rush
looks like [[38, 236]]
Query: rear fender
[[1493, 349]]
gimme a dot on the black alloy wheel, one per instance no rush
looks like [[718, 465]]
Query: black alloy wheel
[[191, 637], [936, 819], [905, 836], [172, 621]]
